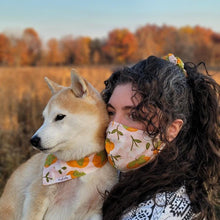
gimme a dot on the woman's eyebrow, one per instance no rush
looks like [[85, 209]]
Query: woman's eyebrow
[[109, 105], [127, 107]]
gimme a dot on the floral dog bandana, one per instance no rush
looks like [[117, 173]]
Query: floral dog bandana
[[56, 170], [129, 148]]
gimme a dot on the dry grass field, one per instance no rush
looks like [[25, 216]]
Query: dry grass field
[[17, 84], [23, 95]]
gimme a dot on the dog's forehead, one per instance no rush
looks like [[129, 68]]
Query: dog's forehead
[[65, 99]]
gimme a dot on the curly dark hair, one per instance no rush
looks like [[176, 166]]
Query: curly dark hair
[[192, 158]]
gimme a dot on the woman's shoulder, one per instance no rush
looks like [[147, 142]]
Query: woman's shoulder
[[178, 206], [167, 205]]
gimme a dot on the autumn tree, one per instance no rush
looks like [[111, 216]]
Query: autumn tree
[[120, 46], [96, 54], [147, 41], [19, 52], [82, 50], [33, 44], [194, 44], [67, 50], [53, 55], [5, 49], [167, 40], [185, 44], [215, 57], [202, 38]]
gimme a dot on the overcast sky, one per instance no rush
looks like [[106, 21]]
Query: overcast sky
[[95, 18]]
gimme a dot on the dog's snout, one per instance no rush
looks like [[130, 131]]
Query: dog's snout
[[35, 141]]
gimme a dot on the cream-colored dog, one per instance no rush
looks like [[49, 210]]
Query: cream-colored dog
[[74, 126]]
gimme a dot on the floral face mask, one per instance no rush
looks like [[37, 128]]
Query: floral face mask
[[129, 148]]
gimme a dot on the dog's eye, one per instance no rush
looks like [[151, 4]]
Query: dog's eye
[[59, 117]]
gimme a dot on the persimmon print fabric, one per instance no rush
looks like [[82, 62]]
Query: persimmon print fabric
[[56, 170], [129, 148]]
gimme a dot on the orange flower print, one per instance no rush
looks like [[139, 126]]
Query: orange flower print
[[78, 163], [75, 174], [109, 146], [99, 159]]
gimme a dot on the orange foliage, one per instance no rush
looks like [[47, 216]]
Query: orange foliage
[[20, 53], [147, 41], [167, 39], [33, 43], [4, 49], [203, 41], [67, 49], [53, 56], [82, 50], [120, 46]]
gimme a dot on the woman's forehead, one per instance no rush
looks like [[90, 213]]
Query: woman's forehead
[[122, 95]]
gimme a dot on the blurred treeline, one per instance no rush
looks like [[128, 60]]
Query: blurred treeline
[[120, 46]]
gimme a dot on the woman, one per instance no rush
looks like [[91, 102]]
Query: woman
[[164, 138]]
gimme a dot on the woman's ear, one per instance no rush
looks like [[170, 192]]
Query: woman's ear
[[173, 129]]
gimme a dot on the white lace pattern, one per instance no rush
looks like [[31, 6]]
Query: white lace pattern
[[167, 206]]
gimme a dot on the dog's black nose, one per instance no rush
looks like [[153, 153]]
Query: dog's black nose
[[35, 141]]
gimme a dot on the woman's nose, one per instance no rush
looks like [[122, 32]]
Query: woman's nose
[[117, 118]]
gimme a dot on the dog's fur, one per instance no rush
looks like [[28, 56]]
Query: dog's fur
[[80, 133]]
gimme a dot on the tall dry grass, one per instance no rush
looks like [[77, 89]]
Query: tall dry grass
[[23, 95]]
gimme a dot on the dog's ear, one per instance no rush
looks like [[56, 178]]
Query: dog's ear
[[54, 87], [78, 85]]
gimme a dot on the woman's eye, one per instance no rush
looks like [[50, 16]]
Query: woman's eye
[[132, 116], [110, 113], [59, 117]]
